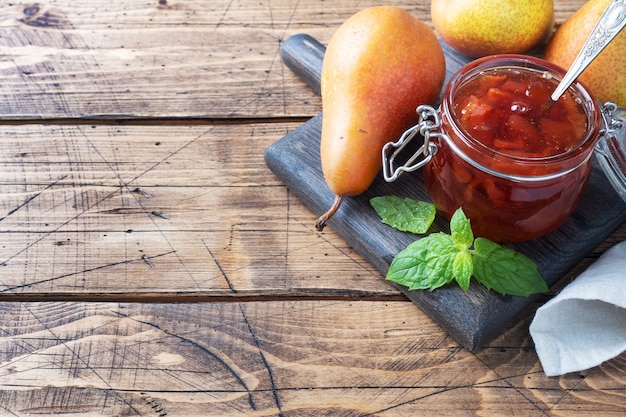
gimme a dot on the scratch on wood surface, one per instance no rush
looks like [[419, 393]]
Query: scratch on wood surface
[[266, 364], [158, 408], [96, 268], [217, 263], [61, 409], [141, 192], [161, 215], [34, 196], [147, 260]]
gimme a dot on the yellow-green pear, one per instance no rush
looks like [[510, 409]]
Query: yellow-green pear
[[478, 28], [606, 75]]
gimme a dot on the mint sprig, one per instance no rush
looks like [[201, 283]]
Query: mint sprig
[[440, 258]]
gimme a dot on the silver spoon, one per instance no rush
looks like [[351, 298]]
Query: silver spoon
[[608, 27]]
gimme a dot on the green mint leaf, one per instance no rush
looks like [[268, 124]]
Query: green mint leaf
[[404, 214], [505, 270], [425, 264], [462, 269], [461, 230], [439, 258]]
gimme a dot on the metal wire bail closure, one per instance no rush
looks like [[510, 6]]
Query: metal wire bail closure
[[611, 149], [427, 127]]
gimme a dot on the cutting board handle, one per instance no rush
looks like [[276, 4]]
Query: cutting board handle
[[303, 55]]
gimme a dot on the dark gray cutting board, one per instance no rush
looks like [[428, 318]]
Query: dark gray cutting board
[[474, 317]]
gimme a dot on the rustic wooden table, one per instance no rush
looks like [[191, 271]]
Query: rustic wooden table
[[151, 264]]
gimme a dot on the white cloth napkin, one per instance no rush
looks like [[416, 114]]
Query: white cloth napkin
[[585, 324]]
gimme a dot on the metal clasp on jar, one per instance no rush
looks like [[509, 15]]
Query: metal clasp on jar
[[611, 149], [427, 127], [613, 117]]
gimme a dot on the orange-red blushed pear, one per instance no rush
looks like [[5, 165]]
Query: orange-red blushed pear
[[479, 28], [378, 67], [606, 75]]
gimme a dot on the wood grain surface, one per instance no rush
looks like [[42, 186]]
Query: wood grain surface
[[152, 265], [276, 358]]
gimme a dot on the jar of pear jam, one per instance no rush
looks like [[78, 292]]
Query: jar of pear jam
[[516, 162]]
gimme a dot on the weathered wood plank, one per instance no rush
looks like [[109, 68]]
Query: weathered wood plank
[[137, 59], [276, 359], [122, 211]]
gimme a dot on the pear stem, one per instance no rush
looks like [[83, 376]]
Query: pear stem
[[321, 222]]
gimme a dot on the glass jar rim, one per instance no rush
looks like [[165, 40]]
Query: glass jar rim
[[528, 64]]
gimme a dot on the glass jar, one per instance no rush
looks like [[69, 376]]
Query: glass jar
[[516, 162]]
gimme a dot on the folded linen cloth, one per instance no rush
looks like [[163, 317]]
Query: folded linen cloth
[[585, 324]]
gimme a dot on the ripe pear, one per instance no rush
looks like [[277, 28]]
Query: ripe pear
[[478, 28], [378, 67], [606, 75]]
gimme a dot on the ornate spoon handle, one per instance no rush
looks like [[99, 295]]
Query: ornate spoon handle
[[608, 27]]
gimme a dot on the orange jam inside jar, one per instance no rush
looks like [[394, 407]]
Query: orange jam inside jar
[[516, 162]]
